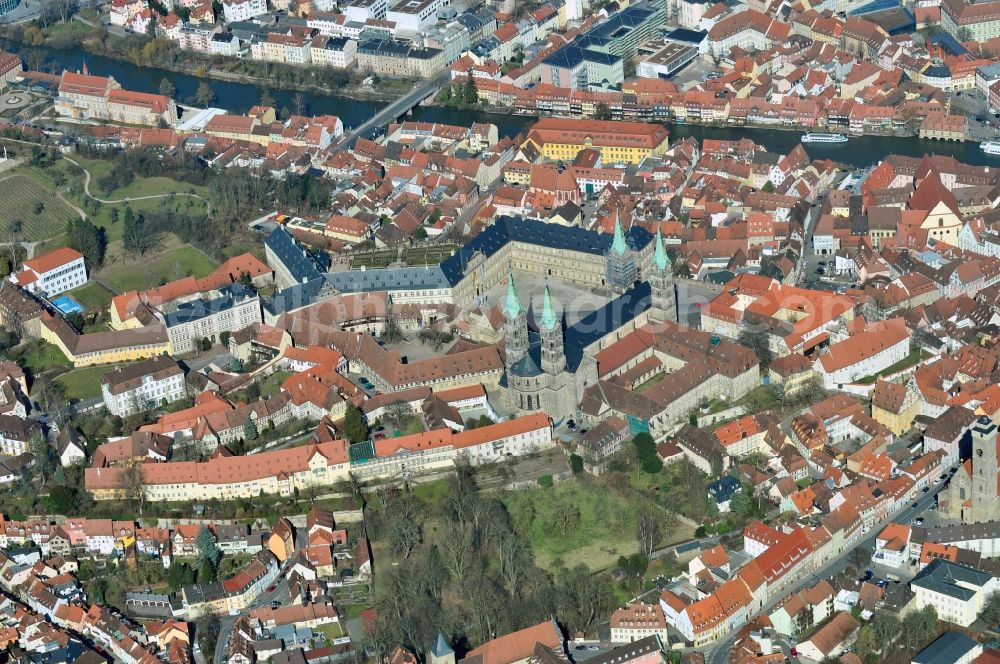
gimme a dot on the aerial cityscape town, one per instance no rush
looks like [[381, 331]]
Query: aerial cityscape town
[[500, 332]]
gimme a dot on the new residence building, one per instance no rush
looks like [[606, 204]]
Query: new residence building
[[52, 273], [145, 384]]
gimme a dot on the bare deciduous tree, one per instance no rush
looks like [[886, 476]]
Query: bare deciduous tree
[[133, 485], [456, 552], [648, 530]]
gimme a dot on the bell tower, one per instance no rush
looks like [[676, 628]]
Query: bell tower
[[515, 324], [551, 330], [661, 281], [984, 469]]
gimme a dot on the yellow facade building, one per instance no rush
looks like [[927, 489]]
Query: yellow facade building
[[895, 405], [561, 139], [111, 347]]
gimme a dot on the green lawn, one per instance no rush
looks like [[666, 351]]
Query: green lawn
[[599, 528], [330, 630], [69, 28], [237, 248], [404, 426], [22, 190], [271, 385], [92, 296], [83, 383], [38, 356], [175, 261], [153, 187]]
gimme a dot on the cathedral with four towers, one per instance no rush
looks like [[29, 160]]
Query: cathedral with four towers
[[537, 376]]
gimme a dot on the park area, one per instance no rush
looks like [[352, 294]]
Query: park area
[[173, 260], [62, 175], [84, 383], [577, 522]]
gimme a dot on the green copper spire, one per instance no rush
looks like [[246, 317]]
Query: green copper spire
[[549, 320], [660, 254], [513, 307], [618, 245]]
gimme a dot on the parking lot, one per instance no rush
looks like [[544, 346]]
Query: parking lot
[[982, 123], [693, 73]]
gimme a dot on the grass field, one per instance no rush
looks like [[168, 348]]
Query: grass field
[[271, 385], [69, 28], [598, 539], [331, 631], [38, 356], [92, 296], [237, 248], [83, 383], [21, 191], [152, 187], [174, 261]]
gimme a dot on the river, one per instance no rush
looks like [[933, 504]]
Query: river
[[239, 97]]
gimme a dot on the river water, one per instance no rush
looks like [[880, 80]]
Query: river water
[[239, 97]]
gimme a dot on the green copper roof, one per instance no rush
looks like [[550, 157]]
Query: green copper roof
[[549, 320], [618, 245], [660, 254], [513, 307]]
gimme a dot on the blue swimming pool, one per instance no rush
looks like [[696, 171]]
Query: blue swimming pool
[[67, 305]]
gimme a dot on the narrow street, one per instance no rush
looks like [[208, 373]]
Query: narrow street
[[718, 653]]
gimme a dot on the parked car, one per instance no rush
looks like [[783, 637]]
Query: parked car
[[380, 436]]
